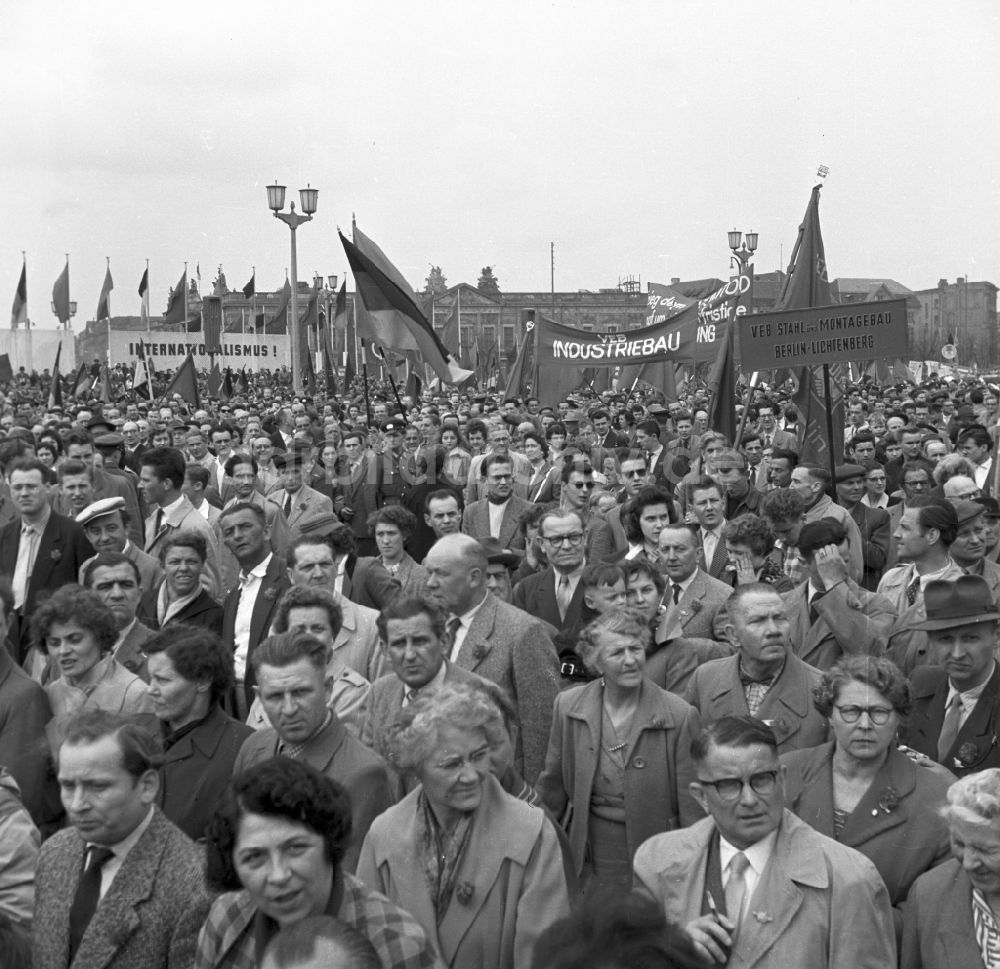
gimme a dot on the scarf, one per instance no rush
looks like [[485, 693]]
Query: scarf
[[441, 854]]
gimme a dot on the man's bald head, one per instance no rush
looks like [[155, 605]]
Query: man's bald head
[[456, 572]]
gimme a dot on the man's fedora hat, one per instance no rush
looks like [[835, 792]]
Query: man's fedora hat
[[957, 602]]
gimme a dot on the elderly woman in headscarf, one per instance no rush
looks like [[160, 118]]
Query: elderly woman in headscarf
[[478, 868]]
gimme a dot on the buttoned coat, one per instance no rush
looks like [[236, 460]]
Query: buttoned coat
[[410, 577], [938, 927], [976, 747], [896, 825], [657, 772], [196, 770], [720, 559], [907, 646], [150, 916], [273, 586], [512, 864], [186, 517], [698, 613], [344, 758], [716, 690], [859, 628], [511, 648], [307, 505], [536, 595], [818, 904], [476, 521], [543, 486], [362, 493]]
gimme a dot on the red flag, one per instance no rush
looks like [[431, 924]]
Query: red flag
[[177, 304], [104, 303], [808, 284], [60, 295], [185, 383], [450, 335], [722, 386]]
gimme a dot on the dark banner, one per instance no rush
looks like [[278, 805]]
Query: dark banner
[[693, 334]]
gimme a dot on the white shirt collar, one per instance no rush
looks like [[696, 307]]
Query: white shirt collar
[[467, 617], [758, 854], [168, 510], [260, 569]]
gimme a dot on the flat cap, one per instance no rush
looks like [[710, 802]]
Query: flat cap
[[106, 506], [392, 427], [967, 511], [109, 440], [846, 471]]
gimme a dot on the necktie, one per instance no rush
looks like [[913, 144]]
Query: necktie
[[767, 440], [950, 727], [88, 892], [912, 589], [563, 596], [157, 525], [676, 592], [452, 626], [288, 505], [736, 889], [22, 567], [813, 606]]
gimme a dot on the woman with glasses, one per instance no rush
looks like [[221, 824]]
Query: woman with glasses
[[875, 495], [619, 759], [860, 788], [479, 869]]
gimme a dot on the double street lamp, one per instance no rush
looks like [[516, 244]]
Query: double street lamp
[[276, 202], [742, 254], [72, 313]]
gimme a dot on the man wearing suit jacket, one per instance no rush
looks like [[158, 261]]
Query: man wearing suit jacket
[[706, 502], [830, 615], [765, 679], [300, 503], [40, 551], [770, 434], [752, 885], [248, 610], [499, 513], [122, 887], [115, 579], [499, 438], [555, 595], [160, 481], [695, 602], [957, 702], [498, 642], [359, 491], [294, 690], [413, 637]]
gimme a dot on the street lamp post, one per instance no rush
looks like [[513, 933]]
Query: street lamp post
[[742, 254], [72, 313], [276, 202]]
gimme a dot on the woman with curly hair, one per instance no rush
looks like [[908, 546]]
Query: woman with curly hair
[[749, 544], [76, 630], [275, 848], [618, 752], [480, 870], [860, 788]]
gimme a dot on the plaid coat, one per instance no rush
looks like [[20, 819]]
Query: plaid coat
[[227, 939]]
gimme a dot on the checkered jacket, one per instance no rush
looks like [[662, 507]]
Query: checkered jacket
[[227, 939]]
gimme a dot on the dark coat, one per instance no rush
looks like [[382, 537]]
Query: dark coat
[[873, 523], [196, 770], [368, 583], [62, 549], [203, 611], [976, 747], [272, 587], [536, 595], [150, 916], [901, 833], [938, 929], [658, 766]]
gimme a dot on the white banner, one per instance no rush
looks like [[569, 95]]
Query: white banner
[[35, 349], [167, 349]]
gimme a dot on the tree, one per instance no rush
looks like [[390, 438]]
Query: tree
[[435, 284], [488, 282]]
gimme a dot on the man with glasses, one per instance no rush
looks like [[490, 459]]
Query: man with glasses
[[764, 678], [577, 487], [743, 882], [957, 701], [499, 443], [498, 514], [556, 594]]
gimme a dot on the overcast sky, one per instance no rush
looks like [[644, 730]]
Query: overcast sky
[[632, 135]]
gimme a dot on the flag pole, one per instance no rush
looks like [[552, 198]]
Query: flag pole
[[107, 305], [364, 377], [185, 297], [148, 324], [746, 409], [392, 383]]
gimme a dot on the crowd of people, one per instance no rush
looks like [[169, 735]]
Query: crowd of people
[[467, 681]]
